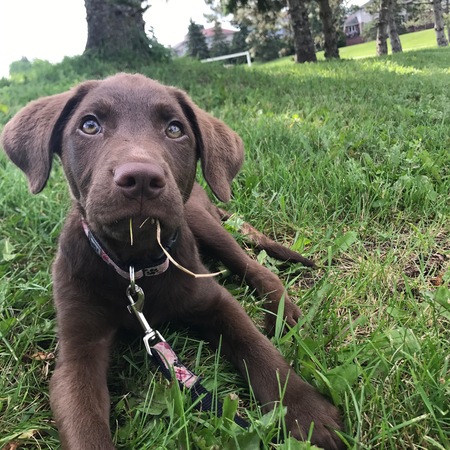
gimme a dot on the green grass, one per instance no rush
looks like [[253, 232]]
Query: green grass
[[347, 161], [410, 41]]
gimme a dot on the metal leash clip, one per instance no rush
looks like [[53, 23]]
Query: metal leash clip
[[136, 297]]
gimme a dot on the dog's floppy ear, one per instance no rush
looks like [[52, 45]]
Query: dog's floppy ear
[[34, 134], [220, 149]]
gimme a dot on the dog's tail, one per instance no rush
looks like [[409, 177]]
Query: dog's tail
[[262, 242]]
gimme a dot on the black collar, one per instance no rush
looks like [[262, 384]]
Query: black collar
[[143, 268]]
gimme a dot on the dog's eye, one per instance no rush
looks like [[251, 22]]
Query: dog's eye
[[90, 126], [174, 130]]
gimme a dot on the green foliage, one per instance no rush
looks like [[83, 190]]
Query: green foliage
[[23, 65], [157, 52], [239, 41], [268, 35], [231, 6], [339, 14], [219, 45], [144, 47], [369, 32], [270, 27], [420, 15], [197, 47], [346, 161]]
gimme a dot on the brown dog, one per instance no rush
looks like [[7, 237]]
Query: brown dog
[[129, 147]]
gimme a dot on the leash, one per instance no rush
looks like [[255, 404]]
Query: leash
[[167, 360]]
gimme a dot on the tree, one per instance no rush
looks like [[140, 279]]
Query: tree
[[219, 45], [396, 44], [266, 34], [239, 40], [271, 35], [298, 12], [382, 27], [329, 29], [22, 65], [302, 36], [303, 40], [197, 47], [420, 16], [116, 27], [439, 24]]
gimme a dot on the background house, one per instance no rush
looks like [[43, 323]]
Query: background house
[[356, 22], [354, 25]]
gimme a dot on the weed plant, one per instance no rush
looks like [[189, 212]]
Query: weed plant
[[347, 162]]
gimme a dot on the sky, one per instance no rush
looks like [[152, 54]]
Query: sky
[[52, 29]]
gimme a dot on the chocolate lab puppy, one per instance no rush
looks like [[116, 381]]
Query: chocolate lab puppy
[[129, 147]]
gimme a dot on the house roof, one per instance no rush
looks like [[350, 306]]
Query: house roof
[[209, 32], [351, 20]]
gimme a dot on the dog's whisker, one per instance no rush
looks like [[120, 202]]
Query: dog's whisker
[[176, 264]]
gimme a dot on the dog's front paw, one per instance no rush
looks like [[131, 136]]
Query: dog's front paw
[[292, 314], [310, 414]]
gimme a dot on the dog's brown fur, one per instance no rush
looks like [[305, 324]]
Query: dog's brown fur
[[134, 165]]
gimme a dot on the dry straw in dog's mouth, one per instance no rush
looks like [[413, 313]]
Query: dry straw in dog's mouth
[[168, 255]]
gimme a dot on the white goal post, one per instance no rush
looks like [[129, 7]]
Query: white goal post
[[233, 55]]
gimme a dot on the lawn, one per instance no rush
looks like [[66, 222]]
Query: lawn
[[347, 162], [410, 41]]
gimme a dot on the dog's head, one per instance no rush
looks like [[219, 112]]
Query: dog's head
[[129, 148]]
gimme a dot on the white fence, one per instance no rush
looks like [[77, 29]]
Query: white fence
[[233, 55]]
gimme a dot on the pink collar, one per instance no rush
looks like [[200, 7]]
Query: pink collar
[[143, 269]]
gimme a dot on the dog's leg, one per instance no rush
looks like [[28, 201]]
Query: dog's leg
[[262, 242], [220, 244], [268, 373], [78, 391], [79, 396]]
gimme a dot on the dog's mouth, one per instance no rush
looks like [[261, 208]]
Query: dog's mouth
[[146, 226], [133, 239], [132, 231], [128, 222], [132, 228], [124, 229]]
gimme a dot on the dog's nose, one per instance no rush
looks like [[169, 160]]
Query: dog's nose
[[139, 179]]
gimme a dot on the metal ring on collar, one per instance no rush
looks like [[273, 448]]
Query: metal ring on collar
[[132, 281]]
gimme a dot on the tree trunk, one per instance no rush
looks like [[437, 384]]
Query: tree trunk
[[116, 27], [383, 17], [447, 10], [303, 41], [396, 45], [439, 24], [329, 29]]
